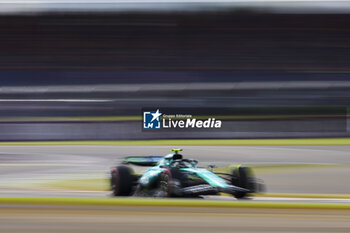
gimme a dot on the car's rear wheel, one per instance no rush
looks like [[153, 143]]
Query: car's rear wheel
[[164, 188], [122, 181]]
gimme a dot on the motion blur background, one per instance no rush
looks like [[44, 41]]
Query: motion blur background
[[83, 69]]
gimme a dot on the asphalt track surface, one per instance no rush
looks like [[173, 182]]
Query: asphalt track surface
[[39, 219], [21, 166]]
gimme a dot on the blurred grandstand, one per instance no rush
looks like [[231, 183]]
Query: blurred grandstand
[[74, 60]]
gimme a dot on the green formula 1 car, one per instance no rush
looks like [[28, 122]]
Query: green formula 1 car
[[174, 176]]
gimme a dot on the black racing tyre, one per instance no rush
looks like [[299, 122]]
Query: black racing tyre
[[240, 195], [240, 178], [122, 181], [165, 184]]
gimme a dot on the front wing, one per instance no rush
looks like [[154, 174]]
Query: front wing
[[206, 189]]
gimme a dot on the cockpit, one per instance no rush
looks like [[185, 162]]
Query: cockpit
[[177, 160], [184, 163]]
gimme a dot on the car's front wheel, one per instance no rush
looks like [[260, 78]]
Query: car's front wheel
[[240, 178]]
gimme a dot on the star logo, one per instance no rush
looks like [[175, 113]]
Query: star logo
[[156, 115], [151, 119]]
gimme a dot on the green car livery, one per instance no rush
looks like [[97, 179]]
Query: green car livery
[[174, 176]]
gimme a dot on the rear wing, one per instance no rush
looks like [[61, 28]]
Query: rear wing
[[142, 160]]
